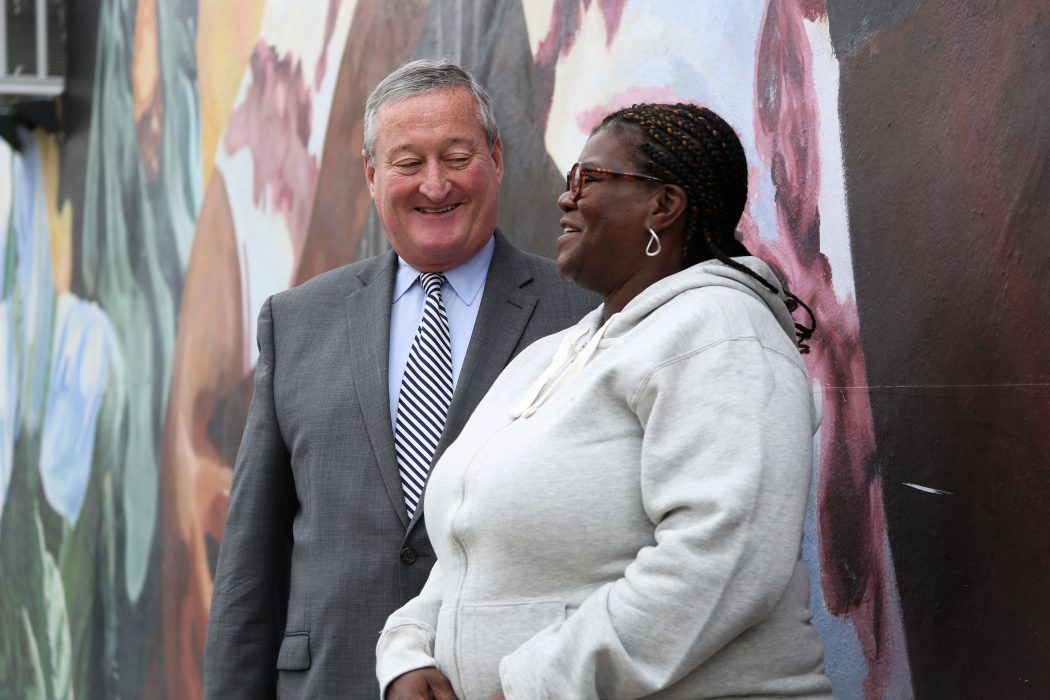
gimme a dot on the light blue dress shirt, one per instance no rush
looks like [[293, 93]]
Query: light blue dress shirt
[[461, 294]]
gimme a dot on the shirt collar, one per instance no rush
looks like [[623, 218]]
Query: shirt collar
[[466, 279]]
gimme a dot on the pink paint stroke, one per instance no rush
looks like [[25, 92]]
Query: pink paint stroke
[[612, 13], [273, 123], [329, 30], [855, 568], [566, 19], [588, 119]]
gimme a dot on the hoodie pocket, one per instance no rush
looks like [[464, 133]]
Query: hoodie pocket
[[488, 632]]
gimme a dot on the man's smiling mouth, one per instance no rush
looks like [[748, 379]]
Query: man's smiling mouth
[[436, 210]]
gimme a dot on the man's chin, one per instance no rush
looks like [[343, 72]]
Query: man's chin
[[439, 253]]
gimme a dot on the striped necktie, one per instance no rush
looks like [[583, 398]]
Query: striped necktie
[[426, 392]]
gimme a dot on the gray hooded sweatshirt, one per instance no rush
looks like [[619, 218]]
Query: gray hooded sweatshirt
[[622, 515]]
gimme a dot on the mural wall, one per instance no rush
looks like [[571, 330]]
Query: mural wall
[[211, 157]]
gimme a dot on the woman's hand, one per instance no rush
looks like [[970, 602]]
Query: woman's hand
[[421, 684], [498, 695]]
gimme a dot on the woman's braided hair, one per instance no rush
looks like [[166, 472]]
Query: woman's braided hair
[[694, 148]]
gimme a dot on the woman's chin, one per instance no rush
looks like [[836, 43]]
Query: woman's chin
[[571, 273]]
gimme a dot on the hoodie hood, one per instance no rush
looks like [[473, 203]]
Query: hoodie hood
[[580, 342], [710, 273]]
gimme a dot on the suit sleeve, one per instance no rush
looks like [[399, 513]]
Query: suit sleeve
[[407, 640], [249, 602], [725, 468]]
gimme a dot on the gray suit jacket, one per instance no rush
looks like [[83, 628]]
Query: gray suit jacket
[[318, 549]]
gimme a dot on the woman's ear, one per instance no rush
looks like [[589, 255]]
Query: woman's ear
[[669, 207]]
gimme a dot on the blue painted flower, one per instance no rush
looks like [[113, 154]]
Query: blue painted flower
[[34, 292], [84, 342]]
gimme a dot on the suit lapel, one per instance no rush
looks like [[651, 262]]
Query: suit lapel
[[368, 316], [506, 307]]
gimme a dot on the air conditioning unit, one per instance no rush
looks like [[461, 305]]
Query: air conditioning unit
[[32, 49]]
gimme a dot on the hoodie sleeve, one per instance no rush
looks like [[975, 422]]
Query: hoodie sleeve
[[407, 640], [725, 469]]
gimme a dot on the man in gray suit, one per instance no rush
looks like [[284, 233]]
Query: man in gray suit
[[325, 535]]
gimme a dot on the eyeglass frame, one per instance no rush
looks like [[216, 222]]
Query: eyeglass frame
[[580, 169]]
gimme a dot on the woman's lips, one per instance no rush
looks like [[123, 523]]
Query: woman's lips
[[568, 227], [566, 236]]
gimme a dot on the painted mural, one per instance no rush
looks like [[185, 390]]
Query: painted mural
[[212, 158]]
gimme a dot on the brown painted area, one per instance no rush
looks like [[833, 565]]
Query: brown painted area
[[197, 468], [383, 35], [947, 141]]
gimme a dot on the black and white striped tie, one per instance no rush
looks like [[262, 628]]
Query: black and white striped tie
[[426, 392]]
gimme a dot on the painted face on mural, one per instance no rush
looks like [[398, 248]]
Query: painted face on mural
[[654, 56], [435, 181], [632, 51]]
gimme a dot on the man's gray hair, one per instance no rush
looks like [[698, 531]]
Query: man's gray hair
[[426, 75]]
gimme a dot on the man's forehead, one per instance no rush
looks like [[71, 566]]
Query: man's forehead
[[427, 101], [442, 118]]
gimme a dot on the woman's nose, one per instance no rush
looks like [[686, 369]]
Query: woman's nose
[[566, 201]]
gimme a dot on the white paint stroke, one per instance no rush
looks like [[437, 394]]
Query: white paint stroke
[[927, 489]]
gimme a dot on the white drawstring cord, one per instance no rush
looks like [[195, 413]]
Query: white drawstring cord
[[533, 399], [567, 345]]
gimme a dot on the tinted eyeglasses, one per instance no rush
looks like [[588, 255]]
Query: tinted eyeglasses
[[574, 178]]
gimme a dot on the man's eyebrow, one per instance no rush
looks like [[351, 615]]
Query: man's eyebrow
[[413, 148]]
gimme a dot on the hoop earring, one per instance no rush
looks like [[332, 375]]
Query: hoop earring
[[653, 238]]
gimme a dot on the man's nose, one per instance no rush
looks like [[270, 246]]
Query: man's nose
[[435, 184]]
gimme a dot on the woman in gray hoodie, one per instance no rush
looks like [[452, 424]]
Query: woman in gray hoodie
[[622, 515]]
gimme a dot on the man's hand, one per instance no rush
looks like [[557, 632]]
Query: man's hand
[[421, 684]]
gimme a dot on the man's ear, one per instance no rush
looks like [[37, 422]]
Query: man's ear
[[497, 158], [370, 172], [669, 205]]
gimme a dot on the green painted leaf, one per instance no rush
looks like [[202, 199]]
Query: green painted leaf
[[60, 650], [38, 690]]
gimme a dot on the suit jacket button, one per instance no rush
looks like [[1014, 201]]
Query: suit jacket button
[[407, 555]]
